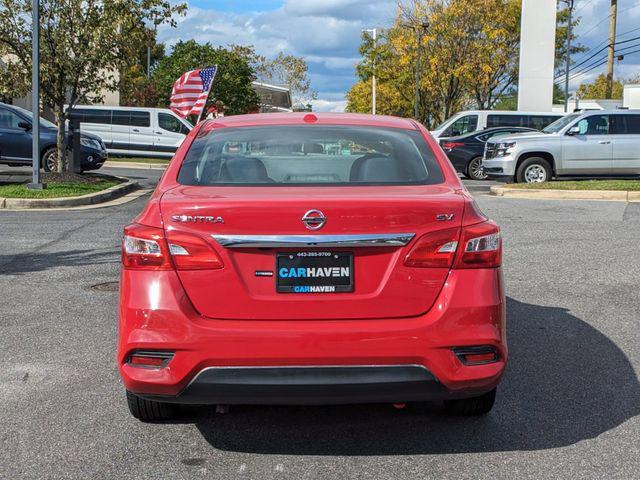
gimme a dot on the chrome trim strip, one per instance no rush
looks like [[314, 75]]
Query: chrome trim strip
[[283, 241]]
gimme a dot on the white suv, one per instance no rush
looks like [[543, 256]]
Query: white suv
[[595, 143]]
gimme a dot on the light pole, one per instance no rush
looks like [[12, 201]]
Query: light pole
[[36, 184], [374, 36], [570, 4]]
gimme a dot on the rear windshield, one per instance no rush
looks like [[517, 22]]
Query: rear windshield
[[310, 155]]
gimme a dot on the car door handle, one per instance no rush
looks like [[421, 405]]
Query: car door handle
[[135, 130], [604, 142], [158, 133]]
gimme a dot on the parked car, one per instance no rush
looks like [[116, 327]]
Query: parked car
[[265, 269], [593, 143], [16, 145], [466, 151], [475, 120], [140, 132]]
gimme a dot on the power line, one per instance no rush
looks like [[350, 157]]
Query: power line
[[600, 62], [576, 75], [577, 65], [586, 4]]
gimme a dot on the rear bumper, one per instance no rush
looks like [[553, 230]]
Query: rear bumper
[[311, 361], [312, 386]]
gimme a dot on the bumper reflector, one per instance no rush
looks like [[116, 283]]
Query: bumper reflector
[[149, 359], [480, 355]]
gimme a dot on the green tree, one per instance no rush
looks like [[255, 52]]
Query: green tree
[[597, 88], [136, 89], [232, 85], [84, 43]]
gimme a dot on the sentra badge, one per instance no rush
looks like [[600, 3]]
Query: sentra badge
[[197, 219]]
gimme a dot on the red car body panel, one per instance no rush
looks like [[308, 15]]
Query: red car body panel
[[397, 315]]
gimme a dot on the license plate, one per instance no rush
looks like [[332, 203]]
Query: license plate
[[314, 272]]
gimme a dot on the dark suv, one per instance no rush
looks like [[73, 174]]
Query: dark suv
[[16, 141]]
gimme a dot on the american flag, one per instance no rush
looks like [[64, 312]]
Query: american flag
[[191, 90]]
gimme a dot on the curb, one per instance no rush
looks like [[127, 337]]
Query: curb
[[144, 166], [89, 199], [543, 194]]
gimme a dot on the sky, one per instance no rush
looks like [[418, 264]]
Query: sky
[[327, 34]]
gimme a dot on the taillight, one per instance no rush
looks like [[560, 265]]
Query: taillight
[[434, 250], [144, 248], [480, 246], [452, 145], [475, 246], [191, 252]]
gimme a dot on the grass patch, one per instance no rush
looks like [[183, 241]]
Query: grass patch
[[154, 161], [625, 185], [56, 189]]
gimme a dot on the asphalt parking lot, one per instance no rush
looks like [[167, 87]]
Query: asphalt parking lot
[[568, 407]]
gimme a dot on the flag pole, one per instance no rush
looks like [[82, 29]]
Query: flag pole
[[204, 108]]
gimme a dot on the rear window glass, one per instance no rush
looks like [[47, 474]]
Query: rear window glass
[[310, 155]]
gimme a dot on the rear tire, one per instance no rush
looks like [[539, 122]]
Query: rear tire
[[474, 169], [471, 406], [149, 410], [534, 170], [49, 161]]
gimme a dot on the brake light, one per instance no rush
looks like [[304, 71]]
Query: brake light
[[452, 145], [475, 246], [481, 246], [144, 248], [191, 252], [434, 250]]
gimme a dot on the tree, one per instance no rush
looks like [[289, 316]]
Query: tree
[[84, 43], [470, 56], [136, 89], [232, 85], [598, 87], [287, 70]]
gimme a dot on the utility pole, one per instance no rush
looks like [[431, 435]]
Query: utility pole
[[568, 54], [36, 184], [613, 18]]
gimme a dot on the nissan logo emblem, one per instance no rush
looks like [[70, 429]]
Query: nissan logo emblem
[[314, 219]]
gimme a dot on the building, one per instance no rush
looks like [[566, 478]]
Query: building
[[273, 98]]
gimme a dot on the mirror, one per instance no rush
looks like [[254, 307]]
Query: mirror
[[573, 131], [24, 125]]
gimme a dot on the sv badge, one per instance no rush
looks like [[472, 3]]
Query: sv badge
[[445, 217]]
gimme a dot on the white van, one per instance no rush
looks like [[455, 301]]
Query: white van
[[133, 131], [474, 120]]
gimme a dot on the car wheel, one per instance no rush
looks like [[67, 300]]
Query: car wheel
[[148, 410], [534, 170], [50, 160], [474, 170], [471, 406]]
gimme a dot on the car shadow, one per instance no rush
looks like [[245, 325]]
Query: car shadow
[[566, 382], [40, 261]]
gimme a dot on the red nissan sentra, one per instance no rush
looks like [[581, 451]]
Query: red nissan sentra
[[311, 259]]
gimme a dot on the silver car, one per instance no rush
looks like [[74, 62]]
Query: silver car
[[594, 143]]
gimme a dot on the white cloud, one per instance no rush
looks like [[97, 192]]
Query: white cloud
[[329, 105]]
